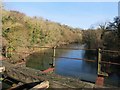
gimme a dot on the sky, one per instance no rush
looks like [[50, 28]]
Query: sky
[[119, 8], [75, 14]]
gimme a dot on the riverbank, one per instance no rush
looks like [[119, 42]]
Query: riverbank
[[20, 54]]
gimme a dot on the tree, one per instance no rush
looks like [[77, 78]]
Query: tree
[[115, 26], [112, 36]]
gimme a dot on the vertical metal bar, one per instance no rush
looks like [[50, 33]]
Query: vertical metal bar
[[54, 56], [6, 52], [99, 64], [99, 60], [10, 51], [33, 49]]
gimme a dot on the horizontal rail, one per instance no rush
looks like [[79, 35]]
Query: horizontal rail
[[113, 63], [18, 52], [88, 60], [77, 59], [81, 49], [38, 46], [25, 52], [78, 49], [113, 51], [110, 51], [71, 49], [61, 48]]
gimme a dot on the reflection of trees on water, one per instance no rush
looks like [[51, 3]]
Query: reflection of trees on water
[[39, 60], [43, 60], [90, 55]]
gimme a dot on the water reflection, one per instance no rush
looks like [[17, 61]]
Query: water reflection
[[43, 60], [40, 60]]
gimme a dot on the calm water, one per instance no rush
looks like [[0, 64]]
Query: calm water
[[69, 67], [76, 68]]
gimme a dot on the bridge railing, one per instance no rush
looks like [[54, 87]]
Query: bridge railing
[[99, 57]]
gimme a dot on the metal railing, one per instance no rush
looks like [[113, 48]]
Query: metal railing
[[99, 58]]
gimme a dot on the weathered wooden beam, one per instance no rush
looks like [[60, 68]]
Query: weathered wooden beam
[[22, 74], [29, 75]]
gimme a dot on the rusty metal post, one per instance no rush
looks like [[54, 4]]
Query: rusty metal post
[[6, 51], [10, 51], [99, 61], [53, 63], [99, 64], [33, 49], [100, 79]]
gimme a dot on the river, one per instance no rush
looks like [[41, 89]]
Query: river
[[79, 69]]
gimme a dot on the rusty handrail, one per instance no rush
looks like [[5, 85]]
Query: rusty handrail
[[93, 49], [72, 49], [77, 59], [113, 63], [111, 51], [58, 47]]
